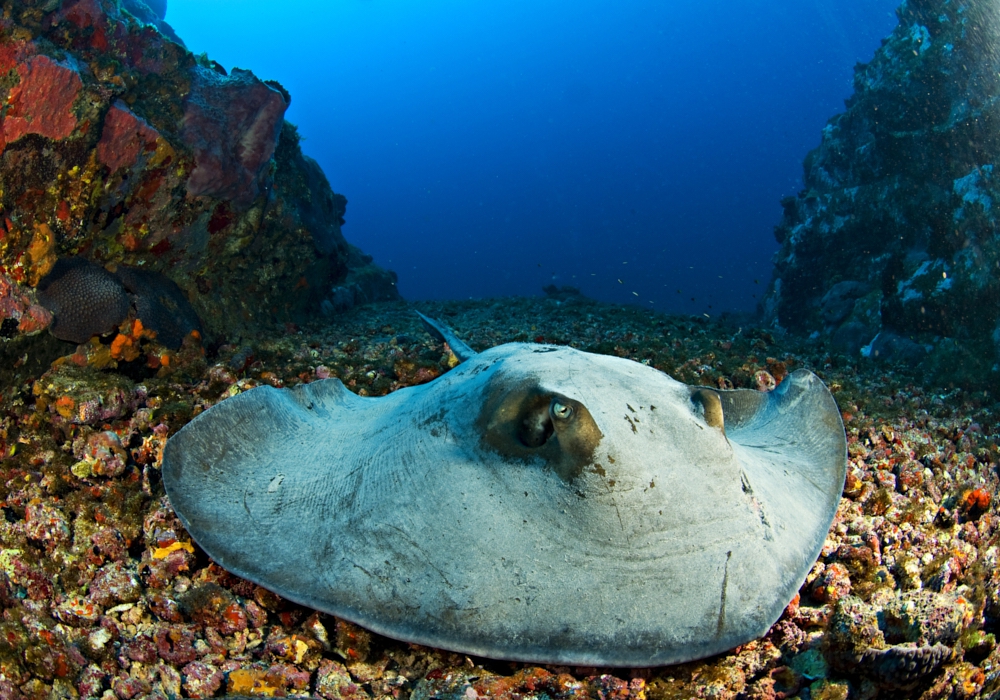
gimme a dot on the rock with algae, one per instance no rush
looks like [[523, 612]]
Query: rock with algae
[[119, 146], [86, 396], [899, 642], [894, 231]]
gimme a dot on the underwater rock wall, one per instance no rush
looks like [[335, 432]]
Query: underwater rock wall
[[120, 146], [891, 248]]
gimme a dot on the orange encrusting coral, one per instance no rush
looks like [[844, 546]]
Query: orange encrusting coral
[[41, 250], [975, 499], [250, 681], [125, 346], [163, 552], [65, 406]]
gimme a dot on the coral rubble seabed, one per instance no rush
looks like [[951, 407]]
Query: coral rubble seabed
[[104, 594]]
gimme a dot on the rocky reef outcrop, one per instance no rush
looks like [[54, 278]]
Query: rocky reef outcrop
[[891, 250], [120, 147]]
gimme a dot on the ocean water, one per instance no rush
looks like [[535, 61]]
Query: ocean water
[[637, 150]]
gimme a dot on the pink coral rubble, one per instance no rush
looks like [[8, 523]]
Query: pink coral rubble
[[17, 305]]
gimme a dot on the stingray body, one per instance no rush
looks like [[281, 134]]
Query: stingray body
[[536, 503]]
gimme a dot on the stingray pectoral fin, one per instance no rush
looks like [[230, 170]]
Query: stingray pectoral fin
[[793, 451], [228, 473], [799, 416]]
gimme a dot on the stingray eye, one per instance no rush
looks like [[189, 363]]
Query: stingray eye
[[560, 411], [540, 419]]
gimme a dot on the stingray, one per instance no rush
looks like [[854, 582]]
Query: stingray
[[535, 503]]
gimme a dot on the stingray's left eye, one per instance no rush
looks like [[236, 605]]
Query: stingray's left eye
[[560, 411]]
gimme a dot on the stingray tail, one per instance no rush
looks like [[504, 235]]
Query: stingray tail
[[446, 335]]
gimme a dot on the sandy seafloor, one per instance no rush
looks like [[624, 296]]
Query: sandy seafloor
[[104, 594]]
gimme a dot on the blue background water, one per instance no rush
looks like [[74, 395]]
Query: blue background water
[[636, 149]]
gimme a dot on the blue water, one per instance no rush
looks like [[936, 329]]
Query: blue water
[[638, 150]]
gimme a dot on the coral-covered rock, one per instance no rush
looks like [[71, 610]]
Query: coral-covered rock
[[46, 525], [201, 680], [899, 642], [152, 12], [212, 605], [42, 101], [231, 123], [895, 231], [84, 396], [91, 682], [365, 283], [333, 682], [120, 147], [124, 137], [114, 583], [18, 312], [103, 455]]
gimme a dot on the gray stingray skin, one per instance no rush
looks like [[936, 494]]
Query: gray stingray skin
[[636, 534]]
